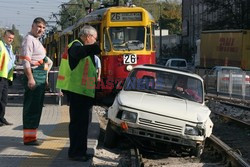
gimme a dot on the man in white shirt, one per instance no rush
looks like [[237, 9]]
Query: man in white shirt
[[98, 68]]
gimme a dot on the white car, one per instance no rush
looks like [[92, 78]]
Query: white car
[[238, 77], [154, 109], [177, 63]]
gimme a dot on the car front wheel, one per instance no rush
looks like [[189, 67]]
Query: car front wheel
[[198, 150], [111, 137]]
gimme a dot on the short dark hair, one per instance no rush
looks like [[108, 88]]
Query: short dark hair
[[39, 20], [9, 31]]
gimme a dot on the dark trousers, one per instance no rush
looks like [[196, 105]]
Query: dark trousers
[[33, 100], [80, 110], [3, 97]]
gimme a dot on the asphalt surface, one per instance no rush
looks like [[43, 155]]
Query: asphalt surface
[[52, 132]]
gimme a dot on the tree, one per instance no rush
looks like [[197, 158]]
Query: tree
[[16, 45], [17, 40], [72, 11], [169, 11], [150, 5], [228, 14], [171, 17]]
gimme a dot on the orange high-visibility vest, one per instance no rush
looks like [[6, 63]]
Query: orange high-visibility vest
[[81, 79]]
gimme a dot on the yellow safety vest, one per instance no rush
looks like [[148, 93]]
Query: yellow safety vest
[[81, 79], [4, 60]]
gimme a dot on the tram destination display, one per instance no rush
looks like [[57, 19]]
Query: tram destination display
[[134, 16]]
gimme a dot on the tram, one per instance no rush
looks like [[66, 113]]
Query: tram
[[126, 38]]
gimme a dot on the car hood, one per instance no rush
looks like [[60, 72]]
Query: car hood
[[164, 105]]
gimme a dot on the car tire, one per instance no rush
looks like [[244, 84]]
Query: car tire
[[111, 137], [197, 151]]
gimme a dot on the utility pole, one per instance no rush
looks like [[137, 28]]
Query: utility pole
[[116, 2], [90, 5], [159, 16], [160, 25]]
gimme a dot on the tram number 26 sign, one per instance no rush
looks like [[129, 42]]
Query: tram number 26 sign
[[133, 16], [129, 59]]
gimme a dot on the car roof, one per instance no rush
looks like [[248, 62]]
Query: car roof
[[177, 59], [168, 69], [228, 67]]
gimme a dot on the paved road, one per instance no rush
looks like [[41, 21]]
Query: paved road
[[53, 131]]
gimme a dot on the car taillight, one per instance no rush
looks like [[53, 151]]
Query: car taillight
[[225, 79], [247, 79]]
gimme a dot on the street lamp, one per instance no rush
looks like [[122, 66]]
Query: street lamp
[[90, 5]]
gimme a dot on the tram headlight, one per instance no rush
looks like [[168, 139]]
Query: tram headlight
[[129, 67], [129, 116], [190, 130]]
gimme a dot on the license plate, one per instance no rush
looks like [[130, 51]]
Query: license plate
[[129, 59]]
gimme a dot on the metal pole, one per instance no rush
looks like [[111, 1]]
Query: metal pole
[[160, 25], [160, 39], [90, 7]]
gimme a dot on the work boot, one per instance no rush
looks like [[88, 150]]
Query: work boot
[[83, 158], [32, 143], [5, 122]]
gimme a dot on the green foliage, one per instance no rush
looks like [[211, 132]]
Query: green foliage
[[171, 17], [169, 10], [70, 13], [17, 40], [152, 6]]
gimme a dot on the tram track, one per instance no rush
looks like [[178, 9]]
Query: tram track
[[231, 157], [229, 142], [235, 102], [232, 126], [235, 134], [222, 154]]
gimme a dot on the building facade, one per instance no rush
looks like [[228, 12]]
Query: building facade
[[195, 16]]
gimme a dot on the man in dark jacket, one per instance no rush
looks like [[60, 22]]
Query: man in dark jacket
[[77, 76]]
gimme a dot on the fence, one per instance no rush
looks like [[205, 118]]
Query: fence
[[233, 84], [17, 89]]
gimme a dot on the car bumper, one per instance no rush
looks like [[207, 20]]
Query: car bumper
[[158, 136]]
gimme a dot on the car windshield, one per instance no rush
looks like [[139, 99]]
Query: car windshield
[[165, 83], [178, 63], [227, 69]]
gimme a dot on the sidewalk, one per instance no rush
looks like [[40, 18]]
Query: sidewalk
[[53, 131]]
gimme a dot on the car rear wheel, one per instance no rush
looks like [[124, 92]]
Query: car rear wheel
[[111, 137]]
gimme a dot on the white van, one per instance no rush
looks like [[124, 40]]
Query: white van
[[177, 63]]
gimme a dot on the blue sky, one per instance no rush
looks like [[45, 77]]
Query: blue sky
[[21, 13]]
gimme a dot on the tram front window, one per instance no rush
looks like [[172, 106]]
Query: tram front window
[[127, 38]]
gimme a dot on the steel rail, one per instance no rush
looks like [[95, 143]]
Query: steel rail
[[232, 119], [234, 158]]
